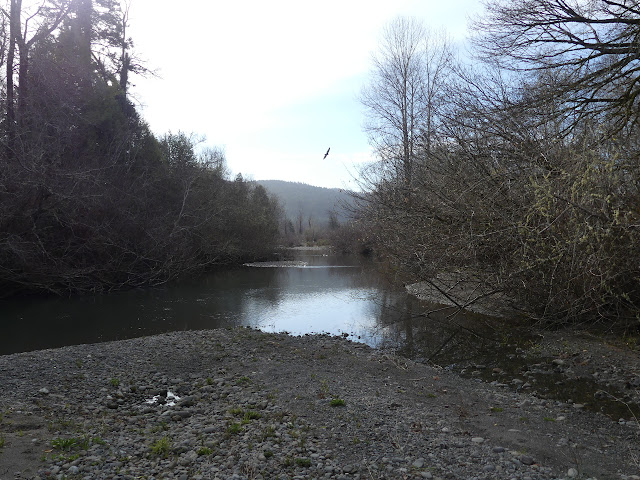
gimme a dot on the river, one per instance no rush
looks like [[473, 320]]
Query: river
[[321, 293], [324, 293]]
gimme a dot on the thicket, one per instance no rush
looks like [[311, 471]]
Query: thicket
[[90, 199], [521, 174]]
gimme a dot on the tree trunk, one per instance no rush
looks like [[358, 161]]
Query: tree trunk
[[14, 34]]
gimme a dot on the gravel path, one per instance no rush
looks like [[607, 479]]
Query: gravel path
[[241, 404]]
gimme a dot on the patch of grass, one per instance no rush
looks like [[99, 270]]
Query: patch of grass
[[431, 395], [336, 402], [114, 382], [549, 419], [79, 363], [497, 409], [161, 447], [84, 443], [237, 412], [268, 453], [243, 381], [64, 444], [62, 458], [3, 441], [252, 415], [204, 451], [303, 462], [209, 381], [73, 443], [234, 429]]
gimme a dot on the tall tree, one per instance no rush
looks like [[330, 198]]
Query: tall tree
[[47, 17], [402, 95]]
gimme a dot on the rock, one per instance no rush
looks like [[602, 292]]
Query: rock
[[572, 473], [526, 460], [477, 439], [188, 401], [419, 463], [498, 450], [44, 391]]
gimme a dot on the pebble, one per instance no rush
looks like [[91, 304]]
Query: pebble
[[235, 418], [419, 463], [526, 460]]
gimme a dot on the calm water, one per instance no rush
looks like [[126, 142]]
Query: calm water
[[331, 294]]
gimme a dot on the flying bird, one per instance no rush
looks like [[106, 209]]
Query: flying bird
[[325, 155]]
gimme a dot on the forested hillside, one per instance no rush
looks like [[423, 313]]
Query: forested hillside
[[306, 201], [90, 199]]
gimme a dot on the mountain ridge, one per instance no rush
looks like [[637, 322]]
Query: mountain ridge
[[298, 198]]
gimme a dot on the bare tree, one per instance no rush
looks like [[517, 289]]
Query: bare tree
[[589, 47], [401, 99], [521, 193]]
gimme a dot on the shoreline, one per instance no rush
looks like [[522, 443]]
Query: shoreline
[[260, 405]]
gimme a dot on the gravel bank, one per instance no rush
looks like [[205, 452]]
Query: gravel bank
[[241, 404]]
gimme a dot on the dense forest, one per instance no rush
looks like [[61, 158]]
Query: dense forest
[[516, 169], [90, 199]]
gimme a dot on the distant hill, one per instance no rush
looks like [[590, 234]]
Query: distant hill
[[311, 201]]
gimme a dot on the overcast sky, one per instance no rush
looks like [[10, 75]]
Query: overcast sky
[[275, 83]]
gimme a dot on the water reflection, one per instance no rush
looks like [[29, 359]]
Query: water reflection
[[332, 294]]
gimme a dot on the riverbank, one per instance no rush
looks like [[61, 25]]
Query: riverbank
[[592, 367], [255, 405]]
